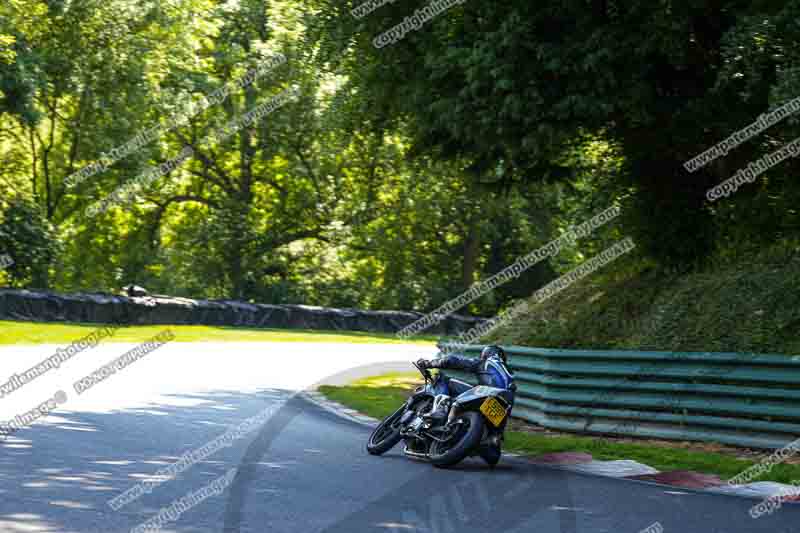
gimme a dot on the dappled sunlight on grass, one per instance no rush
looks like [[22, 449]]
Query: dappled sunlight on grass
[[377, 396], [400, 380]]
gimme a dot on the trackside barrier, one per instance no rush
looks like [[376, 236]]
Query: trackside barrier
[[106, 308], [750, 400]]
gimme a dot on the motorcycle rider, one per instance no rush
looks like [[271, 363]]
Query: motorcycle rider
[[491, 369]]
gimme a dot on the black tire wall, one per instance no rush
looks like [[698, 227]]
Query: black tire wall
[[107, 308]]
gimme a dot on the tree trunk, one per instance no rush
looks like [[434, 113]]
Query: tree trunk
[[472, 252]]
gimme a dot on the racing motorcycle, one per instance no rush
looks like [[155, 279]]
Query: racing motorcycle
[[444, 430]]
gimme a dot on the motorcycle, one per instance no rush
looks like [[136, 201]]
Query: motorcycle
[[444, 430]]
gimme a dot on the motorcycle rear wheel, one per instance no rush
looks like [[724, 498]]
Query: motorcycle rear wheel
[[454, 450]]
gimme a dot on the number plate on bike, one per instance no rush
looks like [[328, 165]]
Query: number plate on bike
[[493, 411]]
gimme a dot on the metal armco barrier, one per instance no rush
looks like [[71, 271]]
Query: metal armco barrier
[[750, 400]]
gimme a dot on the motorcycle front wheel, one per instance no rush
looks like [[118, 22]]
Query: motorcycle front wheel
[[466, 435], [386, 435]]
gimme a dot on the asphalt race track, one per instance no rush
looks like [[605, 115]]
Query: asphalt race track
[[303, 470]]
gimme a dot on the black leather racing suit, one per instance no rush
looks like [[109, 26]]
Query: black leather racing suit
[[492, 372]]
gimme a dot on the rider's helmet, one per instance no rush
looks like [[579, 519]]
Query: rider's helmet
[[493, 351]]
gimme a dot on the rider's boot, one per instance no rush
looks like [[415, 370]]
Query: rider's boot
[[440, 409]]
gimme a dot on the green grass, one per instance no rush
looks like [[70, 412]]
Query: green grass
[[746, 305], [12, 332], [659, 457], [380, 396]]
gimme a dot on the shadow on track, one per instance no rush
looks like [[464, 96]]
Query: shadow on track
[[469, 497]]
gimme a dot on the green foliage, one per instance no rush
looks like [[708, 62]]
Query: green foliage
[[750, 305], [19, 74], [399, 176], [27, 236], [511, 87]]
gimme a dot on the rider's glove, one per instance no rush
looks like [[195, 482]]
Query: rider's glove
[[424, 363]]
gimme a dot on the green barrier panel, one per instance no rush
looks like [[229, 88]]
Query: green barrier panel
[[750, 400]]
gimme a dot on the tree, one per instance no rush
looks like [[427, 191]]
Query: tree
[[28, 237], [515, 85]]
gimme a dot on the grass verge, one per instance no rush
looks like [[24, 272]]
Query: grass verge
[[380, 396], [14, 332], [745, 304]]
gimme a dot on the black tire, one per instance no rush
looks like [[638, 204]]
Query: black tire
[[442, 455], [386, 435], [491, 454]]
